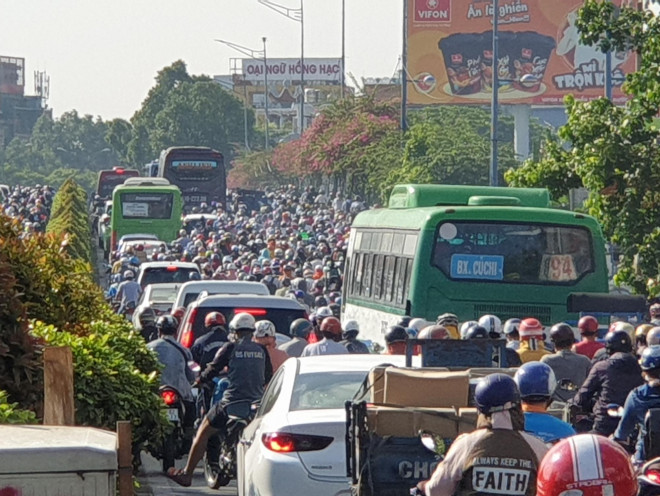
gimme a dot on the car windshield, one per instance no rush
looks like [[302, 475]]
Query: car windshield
[[326, 390], [160, 275], [164, 294]]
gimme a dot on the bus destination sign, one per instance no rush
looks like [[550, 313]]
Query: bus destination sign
[[194, 164]]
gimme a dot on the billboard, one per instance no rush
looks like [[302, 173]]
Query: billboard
[[540, 59], [328, 70], [12, 75]]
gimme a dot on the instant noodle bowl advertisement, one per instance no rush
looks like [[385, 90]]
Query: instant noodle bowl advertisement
[[540, 57]]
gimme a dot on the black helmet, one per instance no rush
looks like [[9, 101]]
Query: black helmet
[[320, 301], [301, 328], [618, 341], [166, 324], [147, 316], [396, 333], [404, 321], [477, 332], [336, 309], [562, 335]]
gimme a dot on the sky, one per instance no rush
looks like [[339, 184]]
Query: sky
[[102, 55]]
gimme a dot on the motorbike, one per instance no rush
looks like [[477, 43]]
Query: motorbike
[[177, 443], [220, 472]]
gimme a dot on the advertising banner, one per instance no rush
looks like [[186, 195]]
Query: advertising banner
[[540, 59], [289, 70], [12, 75]]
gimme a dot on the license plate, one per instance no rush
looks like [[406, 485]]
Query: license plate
[[173, 414]]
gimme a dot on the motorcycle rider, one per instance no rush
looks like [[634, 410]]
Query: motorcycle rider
[[609, 381], [350, 340], [450, 322], [475, 462], [248, 369], [536, 382], [563, 362], [586, 465], [299, 329], [640, 401], [176, 372], [588, 347], [532, 347], [264, 334], [128, 293], [329, 345], [147, 324], [207, 345], [396, 340], [512, 334]]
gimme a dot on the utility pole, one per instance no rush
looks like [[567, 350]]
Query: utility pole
[[266, 92], [494, 104], [404, 69]]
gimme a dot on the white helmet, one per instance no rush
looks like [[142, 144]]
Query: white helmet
[[492, 323], [264, 328], [351, 325], [323, 312], [466, 325], [417, 324], [242, 321]]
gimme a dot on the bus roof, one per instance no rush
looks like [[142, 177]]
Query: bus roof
[[146, 181], [189, 149], [432, 195]]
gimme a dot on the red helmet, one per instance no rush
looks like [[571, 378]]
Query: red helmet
[[588, 464], [530, 329], [178, 312], [331, 325], [214, 319], [588, 325]]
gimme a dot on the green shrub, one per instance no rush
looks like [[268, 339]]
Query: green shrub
[[10, 413], [68, 218]]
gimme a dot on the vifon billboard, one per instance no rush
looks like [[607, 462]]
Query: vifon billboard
[[540, 57]]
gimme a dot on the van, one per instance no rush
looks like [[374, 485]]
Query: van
[[279, 310], [190, 291]]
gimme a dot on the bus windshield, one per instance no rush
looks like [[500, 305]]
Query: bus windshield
[[513, 252], [109, 179], [146, 205]]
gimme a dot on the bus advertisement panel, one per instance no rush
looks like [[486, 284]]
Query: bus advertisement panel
[[470, 251], [199, 172], [109, 179], [540, 57], [145, 208]]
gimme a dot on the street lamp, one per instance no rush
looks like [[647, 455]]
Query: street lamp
[[253, 54], [295, 15], [494, 103]]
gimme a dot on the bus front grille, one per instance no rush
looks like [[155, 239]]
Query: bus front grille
[[505, 312]]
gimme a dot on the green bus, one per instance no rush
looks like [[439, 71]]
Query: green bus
[[146, 205], [469, 250]]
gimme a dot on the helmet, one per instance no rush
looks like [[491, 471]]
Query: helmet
[[300, 328], [496, 393], [166, 324], [242, 322], [351, 325], [493, 325], [586, 465], [335, 309], [641, 332], [622, 326], [511, 326], [417, 324], [323, 313], [214, 319], [536, 381], [135, 260], [264, 328], [618, 341], [128, 274], [476, 332], [447, 319], [530, 329], [654, 311], [396, 334], [561, 334], [653, 337], [466, 325], [194, 276], [331, 325], [588, 325], [404, 321], [650, 358], [178, 313], [320, 301], [147, 316], [434, 332]]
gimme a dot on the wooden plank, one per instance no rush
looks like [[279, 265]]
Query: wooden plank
[[58, 386], [125, 458]]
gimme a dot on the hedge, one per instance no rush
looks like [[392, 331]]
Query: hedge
[[69, 218]]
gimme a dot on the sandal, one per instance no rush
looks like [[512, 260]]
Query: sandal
[[179, 476]]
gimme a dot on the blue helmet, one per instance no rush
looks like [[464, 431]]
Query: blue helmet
[[496, 393], [536, 381], [650, 358]]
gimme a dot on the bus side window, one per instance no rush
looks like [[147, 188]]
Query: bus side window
[[378, 276], [368, 272], [359, 272], [390, 263], [400, 279]]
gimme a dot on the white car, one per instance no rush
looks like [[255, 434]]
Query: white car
[[163, 272], [191, 290], [160, 297], [296, 442]]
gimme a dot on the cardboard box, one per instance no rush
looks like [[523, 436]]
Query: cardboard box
[[483, 372], [408, 422], [426, 388], [377, 384], [467, 420]]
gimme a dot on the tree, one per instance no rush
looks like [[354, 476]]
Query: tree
[[613, 151]]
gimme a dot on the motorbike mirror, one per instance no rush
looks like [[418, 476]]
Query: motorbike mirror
[[614, 410], [566, 385], [194, 366], [432, 442]]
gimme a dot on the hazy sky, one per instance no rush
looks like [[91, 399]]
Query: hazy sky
[[102, 56]]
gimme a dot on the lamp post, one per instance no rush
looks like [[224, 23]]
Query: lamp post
[[494, 103], [253, 54], [294, 15], [343, 48]]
